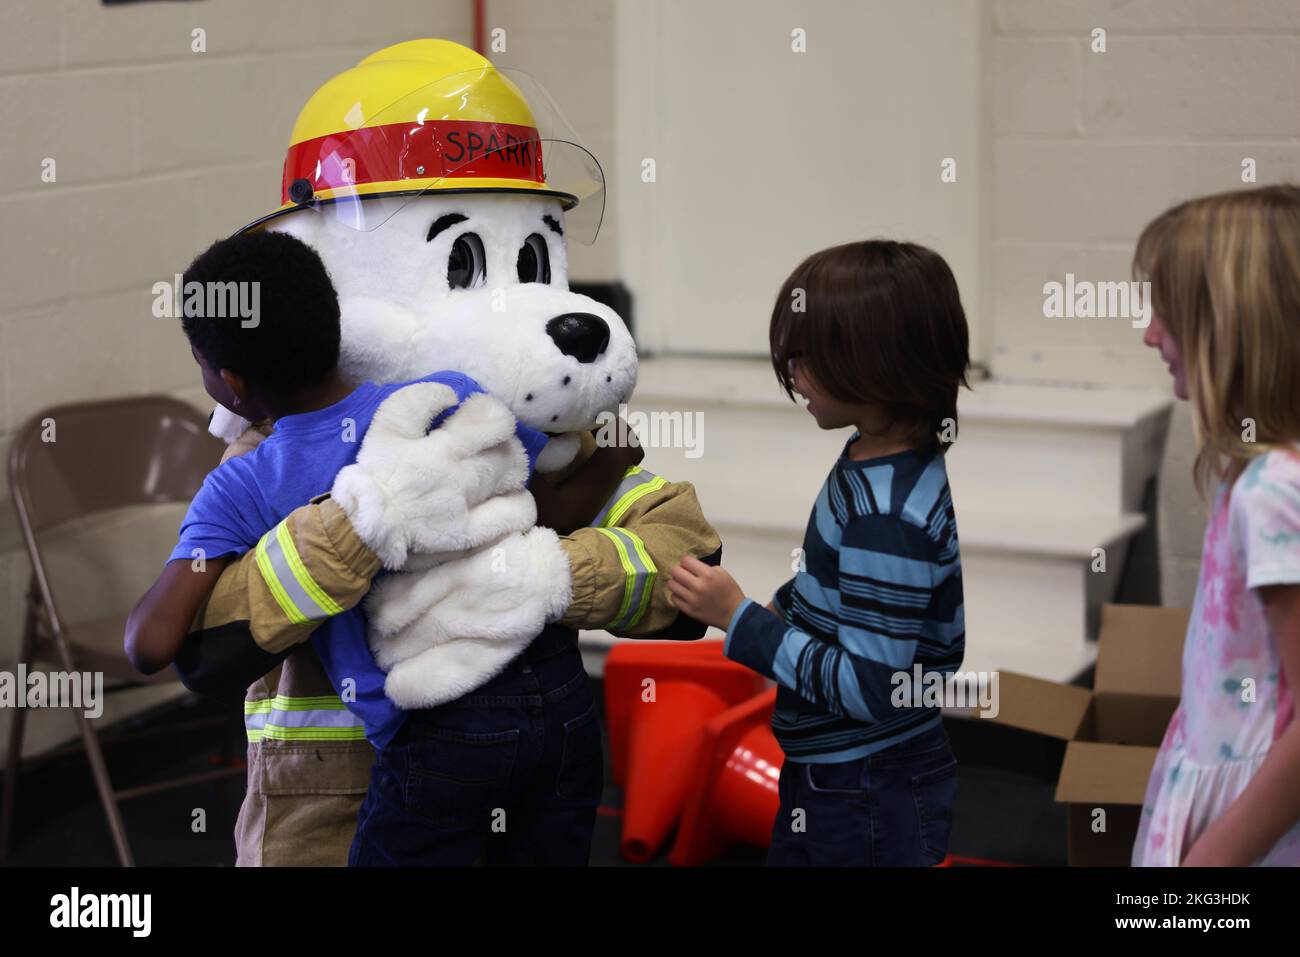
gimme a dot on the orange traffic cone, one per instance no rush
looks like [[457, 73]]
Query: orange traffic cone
[[735, 799], [658, 698]]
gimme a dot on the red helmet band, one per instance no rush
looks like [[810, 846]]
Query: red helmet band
[[465, 149]]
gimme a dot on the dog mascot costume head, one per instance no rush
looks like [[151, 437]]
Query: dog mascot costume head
[[440, 193], [437, 195]]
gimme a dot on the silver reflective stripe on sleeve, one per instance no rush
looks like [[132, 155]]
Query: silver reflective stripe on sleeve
[[639, 573], [636, 483], [293, 588]]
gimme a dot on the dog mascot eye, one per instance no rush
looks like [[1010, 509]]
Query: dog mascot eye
[[534, 264], [466, 266]]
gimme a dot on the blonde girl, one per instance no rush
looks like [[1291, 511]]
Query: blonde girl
[[1225, 289]]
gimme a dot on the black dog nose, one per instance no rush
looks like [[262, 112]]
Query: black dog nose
[[579, 334]]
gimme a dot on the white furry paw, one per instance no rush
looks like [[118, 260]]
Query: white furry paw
[[504, 593], [415, 490], [446, 672]]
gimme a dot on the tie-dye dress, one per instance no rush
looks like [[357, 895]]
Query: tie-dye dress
[[1235, 699]]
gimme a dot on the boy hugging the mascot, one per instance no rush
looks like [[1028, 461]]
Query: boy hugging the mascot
[[461, 671], [451, 492]]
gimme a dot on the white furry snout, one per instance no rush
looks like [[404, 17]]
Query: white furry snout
[[559, 359]]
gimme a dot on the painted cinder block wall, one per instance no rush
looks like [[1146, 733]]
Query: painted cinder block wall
[[1090, 146]]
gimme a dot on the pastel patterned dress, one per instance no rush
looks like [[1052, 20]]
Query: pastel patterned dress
[[1235, 699]]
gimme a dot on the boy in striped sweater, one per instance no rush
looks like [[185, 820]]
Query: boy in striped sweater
[[874, 336]]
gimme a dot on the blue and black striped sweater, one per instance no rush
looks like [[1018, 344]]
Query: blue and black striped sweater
[[878, 591]]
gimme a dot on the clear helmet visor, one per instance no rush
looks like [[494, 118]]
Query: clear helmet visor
[[485, 130]]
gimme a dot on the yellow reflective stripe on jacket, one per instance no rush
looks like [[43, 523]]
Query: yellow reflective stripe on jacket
[[637, 482], [292, 586], [639, 573], [316, 718]]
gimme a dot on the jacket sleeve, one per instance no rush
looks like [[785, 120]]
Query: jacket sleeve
[[620, 565], [896, 594], [304, 571]]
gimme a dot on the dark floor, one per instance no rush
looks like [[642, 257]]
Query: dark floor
[[1005, 811]]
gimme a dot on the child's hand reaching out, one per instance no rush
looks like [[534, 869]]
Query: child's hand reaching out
[[705, 592]]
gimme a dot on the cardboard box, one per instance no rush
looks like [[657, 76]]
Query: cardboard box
[[1112, 732]]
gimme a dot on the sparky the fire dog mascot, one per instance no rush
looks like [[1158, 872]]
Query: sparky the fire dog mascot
[[440, 193]]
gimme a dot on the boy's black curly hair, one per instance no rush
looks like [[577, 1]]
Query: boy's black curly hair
[[294, 342]]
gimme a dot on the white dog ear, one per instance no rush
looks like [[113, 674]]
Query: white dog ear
[[225, 425]]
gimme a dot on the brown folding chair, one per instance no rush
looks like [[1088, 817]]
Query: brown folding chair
[[105, 455]]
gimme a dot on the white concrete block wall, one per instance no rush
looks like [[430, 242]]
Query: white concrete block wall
[[1181, 515], [1039, 17], [159, 151], [1090, 146], [766, 150]]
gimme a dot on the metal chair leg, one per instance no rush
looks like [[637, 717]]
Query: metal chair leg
[[98, 768], [12, 762], [105, 788], [14, 755]]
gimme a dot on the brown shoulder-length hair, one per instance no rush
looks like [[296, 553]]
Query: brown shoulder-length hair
[[880, 322], [1225, 281]]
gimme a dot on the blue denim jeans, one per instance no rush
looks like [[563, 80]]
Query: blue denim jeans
[[509, 774], [889, 809]]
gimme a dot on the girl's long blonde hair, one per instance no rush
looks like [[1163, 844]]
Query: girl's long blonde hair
[[1225, 281]]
